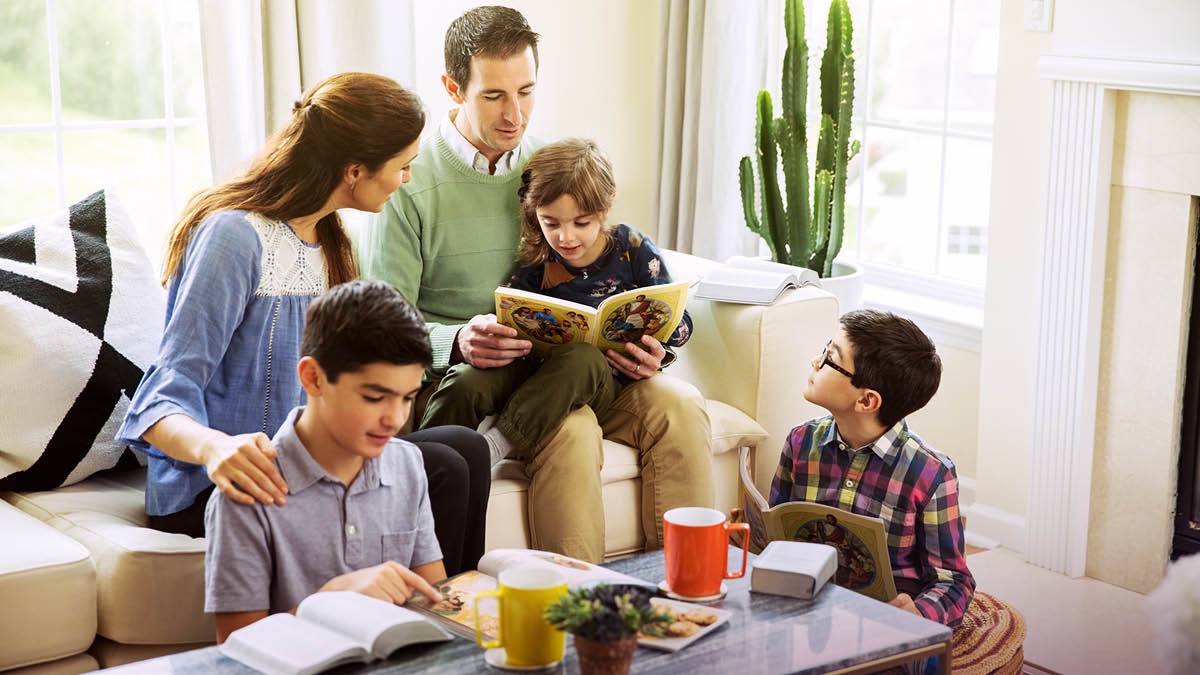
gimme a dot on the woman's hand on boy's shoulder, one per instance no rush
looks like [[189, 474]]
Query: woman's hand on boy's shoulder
[[389, 581], [243, 469]]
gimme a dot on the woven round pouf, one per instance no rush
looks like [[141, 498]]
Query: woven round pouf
[[990, 638]]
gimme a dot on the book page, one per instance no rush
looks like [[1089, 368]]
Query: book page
[[753, 504], [577, 572], [379, 626], [651, 310], [543, 320], [281, 644], [456, 609]]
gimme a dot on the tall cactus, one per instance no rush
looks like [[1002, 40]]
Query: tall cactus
[[803, 227]]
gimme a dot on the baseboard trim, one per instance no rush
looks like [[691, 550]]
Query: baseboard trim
[[990, 527]]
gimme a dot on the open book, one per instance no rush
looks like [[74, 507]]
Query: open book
[[456, 610], [751, 281], [329, 629], [863, 563], [624, 317]]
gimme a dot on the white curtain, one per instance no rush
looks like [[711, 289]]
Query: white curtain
[[259, 56], [718, 55]]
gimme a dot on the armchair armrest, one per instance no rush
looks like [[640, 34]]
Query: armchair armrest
[[756, 358]]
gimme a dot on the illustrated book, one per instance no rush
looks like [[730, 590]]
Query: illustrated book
[[624, 317], [863, 564], [797, 569], [751, 281], [329, 629], [456, 609]]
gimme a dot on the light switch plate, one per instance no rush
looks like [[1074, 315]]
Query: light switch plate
[[1038, 14]]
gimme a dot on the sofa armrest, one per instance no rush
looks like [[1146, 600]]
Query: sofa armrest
[[756, 358]]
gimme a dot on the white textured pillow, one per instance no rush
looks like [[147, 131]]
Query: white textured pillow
[[82, 314]]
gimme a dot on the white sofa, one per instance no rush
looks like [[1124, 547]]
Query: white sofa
[[84, 583]]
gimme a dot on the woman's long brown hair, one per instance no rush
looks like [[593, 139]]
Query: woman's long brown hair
[[344, 119]]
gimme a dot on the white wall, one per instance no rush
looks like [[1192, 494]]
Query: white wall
[[598, 79]]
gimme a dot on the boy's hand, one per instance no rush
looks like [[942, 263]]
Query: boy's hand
[[243, 469], [484, 343], [637, 363], [905, 602], [389, 581]]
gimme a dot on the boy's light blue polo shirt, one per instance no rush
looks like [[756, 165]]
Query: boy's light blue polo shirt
[[272, 557]]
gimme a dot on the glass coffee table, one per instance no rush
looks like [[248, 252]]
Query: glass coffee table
[[839, 631]]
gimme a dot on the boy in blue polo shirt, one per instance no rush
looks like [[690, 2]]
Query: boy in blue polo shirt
[[357, 516]]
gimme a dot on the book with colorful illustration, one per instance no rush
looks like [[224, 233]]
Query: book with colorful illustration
[[456, 610], [624, 317], [863, 564]]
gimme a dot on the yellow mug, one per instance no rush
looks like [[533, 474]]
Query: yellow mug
[[522, 597]]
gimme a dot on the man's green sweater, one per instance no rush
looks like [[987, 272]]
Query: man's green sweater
[[447, 239]]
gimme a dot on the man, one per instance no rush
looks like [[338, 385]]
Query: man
[[449, 237]]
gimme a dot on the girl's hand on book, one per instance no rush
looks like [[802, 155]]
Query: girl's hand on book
[[637, 363], [389, 581]]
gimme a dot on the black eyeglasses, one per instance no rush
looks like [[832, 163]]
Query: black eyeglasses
[[826, 361]]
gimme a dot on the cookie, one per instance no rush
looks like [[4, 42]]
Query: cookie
[[682, 629], [702, 617]]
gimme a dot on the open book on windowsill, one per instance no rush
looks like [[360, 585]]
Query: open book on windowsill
[[456, 610], [751, 281], [329, 629]]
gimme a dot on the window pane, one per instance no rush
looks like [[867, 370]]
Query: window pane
[[192, 165], [965, 209], [187, 75], [28, 185], [24, 63], [131, 161], [901, 199], [973, 66], [907, 68], [111, 59]]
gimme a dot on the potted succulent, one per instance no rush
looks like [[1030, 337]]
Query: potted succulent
[[803, 221], [604, 620]]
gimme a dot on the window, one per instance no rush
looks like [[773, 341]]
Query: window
[[917, 197], [97, 93]]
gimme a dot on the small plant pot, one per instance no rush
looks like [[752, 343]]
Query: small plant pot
[[605, 658]]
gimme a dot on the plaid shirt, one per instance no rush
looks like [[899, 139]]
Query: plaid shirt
[[900, 479]]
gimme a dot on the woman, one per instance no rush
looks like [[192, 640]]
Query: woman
[[243, 263]]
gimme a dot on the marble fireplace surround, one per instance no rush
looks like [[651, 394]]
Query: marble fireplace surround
[[1111, 323]]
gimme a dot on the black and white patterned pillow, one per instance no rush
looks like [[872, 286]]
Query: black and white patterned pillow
[[81, 314]]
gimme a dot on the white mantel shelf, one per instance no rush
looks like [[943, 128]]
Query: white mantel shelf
[[1181, 78]]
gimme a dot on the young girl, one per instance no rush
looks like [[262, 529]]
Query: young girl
[[567, 250], [245, 260]]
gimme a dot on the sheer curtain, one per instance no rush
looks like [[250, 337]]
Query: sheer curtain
[[717, 55], [259, 57]]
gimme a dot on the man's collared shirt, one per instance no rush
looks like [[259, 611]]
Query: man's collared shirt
[[470, 155], [900, 479], [272, 557]]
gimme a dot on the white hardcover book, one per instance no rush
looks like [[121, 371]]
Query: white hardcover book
[[793, 568], [329, 629], [751, 281]]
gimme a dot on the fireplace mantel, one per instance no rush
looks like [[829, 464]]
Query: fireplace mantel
[[1071, 284]]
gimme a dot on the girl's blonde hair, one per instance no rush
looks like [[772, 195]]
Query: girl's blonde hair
[[573, 166], [345, 119]]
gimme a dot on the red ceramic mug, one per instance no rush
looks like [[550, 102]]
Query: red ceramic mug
[[695, 550]]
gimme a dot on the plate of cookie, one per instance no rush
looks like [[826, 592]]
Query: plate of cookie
[[690, 623]]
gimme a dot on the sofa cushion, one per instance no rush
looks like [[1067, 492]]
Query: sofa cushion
[[150, 583], [82, 315], [49, 589]]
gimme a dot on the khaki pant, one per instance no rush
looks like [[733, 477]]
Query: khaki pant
[[664, 418]]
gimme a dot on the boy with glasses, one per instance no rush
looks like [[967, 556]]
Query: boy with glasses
[[876, 371]]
